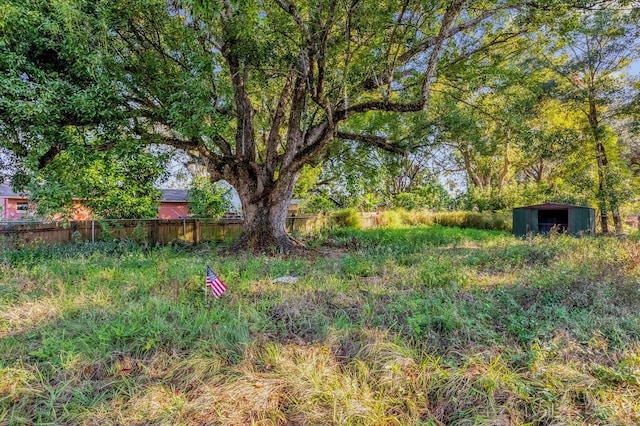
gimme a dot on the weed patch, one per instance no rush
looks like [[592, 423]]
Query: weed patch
[[405, 325]]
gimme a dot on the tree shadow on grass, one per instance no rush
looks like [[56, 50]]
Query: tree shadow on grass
[[84, 357]]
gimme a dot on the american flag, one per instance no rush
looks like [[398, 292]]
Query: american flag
[[216, 284]]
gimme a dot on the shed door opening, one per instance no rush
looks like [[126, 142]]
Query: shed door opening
[[558, 220]]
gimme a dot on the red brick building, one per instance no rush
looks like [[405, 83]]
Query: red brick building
[[16, 206], [173, 204]]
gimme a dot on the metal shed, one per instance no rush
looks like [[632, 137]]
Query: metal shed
[[542, 218]]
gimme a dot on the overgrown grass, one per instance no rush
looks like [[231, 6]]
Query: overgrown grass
[[461, 219], [408, 326]]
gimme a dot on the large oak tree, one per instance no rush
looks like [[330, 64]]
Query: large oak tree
[[253, 89]]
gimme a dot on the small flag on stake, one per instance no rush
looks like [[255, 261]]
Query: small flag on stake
[[216, 284]]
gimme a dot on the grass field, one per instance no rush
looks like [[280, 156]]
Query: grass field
[[408, 326]]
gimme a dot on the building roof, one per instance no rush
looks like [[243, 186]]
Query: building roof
[[7, 191], [168, 195], [174, 195]]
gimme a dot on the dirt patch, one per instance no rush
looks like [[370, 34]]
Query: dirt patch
[[303, 318]]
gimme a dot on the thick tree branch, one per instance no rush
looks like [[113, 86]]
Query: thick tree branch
[[450, 32], [450, 15], [383, 105], [315, 140], [222, 143], [497, 40], [245, 136], [195, 148], [319, 51], [273, 140], [288, 7], [448, 18], [51, 153], [294, 132]]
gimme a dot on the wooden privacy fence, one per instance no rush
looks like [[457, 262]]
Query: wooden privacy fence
[[150, 231]]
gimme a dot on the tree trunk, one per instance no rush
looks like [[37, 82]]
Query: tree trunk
[[602, 162], [604, 219], [617, 220], [505, 165], [264, 217], [473, 176]]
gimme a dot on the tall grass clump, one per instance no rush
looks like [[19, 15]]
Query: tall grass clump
[[417, 217], [391, 219], [460, 219]]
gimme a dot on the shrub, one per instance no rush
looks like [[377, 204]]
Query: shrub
[[348, 218], [317, 203], [139, 235], [208, 199]]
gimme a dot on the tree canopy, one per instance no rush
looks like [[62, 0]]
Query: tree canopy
[[253, 90]]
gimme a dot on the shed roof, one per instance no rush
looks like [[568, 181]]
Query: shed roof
[[174, 195], [553, 206]]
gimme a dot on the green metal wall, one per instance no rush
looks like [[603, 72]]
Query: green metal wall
[[520, 222], [525, 221], [582, 221]]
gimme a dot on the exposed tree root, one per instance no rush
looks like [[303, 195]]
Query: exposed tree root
[[270, 245]]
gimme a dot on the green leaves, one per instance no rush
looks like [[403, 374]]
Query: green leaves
[[114, 184], [208, 200]]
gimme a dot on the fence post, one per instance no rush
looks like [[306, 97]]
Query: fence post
[[93, 231], [156, 230], [196, 231], [293, 223]]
